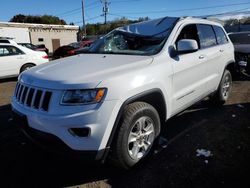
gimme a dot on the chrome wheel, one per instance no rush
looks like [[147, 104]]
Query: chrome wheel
[[226, 87], [141, 137]]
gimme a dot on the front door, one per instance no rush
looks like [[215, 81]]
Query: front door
[[188, 73]]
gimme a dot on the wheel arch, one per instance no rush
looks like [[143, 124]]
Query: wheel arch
[[231, 66], [29, 63], [153, 97]]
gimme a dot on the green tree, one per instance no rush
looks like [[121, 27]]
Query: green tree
[[100, 28], [45, 19]]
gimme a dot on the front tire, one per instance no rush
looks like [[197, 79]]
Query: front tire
[[224, 90], [140, 126]]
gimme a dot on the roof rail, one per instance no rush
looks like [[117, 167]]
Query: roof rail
[[6, 38]]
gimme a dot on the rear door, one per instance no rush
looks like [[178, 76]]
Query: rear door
[[226, 51], [11, 59], [212, 55]]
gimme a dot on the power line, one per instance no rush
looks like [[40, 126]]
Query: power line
[[92, 18], [131, 17], [79, 11], [125, 1], [187, 9], [90, 5], [227, 13]]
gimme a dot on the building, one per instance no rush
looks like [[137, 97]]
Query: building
[[52, 36]]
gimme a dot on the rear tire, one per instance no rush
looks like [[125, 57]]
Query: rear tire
[[26, 67], [140, 126], [224, 90]]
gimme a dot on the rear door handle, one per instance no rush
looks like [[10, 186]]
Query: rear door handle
[[221, 50]]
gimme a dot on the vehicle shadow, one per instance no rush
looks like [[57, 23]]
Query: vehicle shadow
[[8, 80], [25, 165]]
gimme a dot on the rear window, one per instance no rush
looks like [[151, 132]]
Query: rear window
[[220, 35], [206, 35]]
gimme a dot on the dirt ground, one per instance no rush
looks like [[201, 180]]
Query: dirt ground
[[225, 131]]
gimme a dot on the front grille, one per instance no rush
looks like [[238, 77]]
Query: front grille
[[32, 97]]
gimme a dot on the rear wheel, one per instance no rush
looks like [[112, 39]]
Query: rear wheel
[[26, 67], [224, 89], [139, 128]]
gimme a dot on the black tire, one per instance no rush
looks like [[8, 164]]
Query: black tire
[[222, 94], [26, 67], [121, 154]]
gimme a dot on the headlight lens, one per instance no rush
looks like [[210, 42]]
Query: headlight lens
[[89, 96]]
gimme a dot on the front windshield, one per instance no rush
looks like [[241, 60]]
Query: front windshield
[[145, 38]]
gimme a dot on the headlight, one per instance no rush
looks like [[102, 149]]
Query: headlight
[[84, 96]]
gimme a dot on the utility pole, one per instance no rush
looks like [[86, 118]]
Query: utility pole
[[83, 18], [105, 10]]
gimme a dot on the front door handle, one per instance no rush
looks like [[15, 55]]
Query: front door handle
[[201, 57], [221, 50]]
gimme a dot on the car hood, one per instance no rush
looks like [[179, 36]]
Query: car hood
[[82, 71], [242, 48]]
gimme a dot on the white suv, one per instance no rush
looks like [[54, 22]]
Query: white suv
[[117, 96]]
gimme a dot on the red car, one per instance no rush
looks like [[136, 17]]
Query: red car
[[69, 50]]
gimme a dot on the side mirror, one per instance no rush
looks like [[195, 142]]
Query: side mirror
[[187, 46]]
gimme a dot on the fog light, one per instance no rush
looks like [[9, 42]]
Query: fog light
[[80, 132]]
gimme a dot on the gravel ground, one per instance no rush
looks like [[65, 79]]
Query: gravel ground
[[225, 131]]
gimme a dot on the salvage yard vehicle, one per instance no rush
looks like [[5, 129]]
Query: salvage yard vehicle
[[111, 102], [241, 41], [15, 59], [71, 49]]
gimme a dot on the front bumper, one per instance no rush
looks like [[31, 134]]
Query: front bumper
[[48, 141], [99, 120]]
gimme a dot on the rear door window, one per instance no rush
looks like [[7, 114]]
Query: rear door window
[[206, 35], [220, 35], [9, 50]]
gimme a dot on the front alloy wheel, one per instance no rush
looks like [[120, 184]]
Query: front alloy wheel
[[139, 128], [141, 137]]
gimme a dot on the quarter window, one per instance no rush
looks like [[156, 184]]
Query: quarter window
[[220, 35], [206, 35]]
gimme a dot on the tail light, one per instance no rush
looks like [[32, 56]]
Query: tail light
[[45, 57], [71, 52]]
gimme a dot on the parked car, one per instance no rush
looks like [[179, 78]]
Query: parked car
[[7, 40], [15, 59], [28, 45], [241, 41], [69, 50], [35, 47], [42, 47], [114, 100], [63, 51]]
